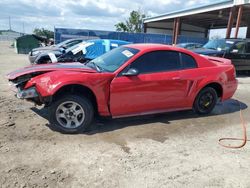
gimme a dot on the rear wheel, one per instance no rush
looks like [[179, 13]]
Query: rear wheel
[[205, 101], [71, 114]]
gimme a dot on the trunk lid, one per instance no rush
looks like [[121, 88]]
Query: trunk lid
[[219, 60]]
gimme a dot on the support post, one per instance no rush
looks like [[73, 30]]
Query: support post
[[230, 23], [144, 28], [176, 30], [248, 31], [240, 10], [206, 33]]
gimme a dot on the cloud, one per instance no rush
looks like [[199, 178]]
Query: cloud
[[88, 14]]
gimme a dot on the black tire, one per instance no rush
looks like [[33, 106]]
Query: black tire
[[61, 123], [205, 101]]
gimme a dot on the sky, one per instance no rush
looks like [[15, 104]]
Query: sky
[[26, 15]]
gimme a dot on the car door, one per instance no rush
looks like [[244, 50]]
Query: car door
[[239, 56], [157, 87]]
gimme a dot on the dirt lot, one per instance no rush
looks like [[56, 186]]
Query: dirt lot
[[168, 150]]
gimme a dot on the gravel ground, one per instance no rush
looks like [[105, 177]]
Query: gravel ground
[[168, 150]]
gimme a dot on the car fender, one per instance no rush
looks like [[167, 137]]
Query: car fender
[[204, 83], [49, 83]]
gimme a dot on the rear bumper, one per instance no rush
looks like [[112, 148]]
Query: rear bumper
[[229, 89]]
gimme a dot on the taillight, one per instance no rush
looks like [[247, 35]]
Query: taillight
[[234, 73]]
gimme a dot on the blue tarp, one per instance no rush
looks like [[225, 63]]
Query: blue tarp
[[102, 46], [97, 47]]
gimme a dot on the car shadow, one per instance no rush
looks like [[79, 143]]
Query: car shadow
[[101, 125]]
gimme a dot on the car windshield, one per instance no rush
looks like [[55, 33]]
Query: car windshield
[[220, 44], [112, 60]]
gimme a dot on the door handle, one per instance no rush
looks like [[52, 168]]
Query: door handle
[[176, 78]]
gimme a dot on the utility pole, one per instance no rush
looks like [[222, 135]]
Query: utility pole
[[9, 23], [23, 28]]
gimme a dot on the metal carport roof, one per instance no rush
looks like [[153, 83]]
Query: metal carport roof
[[213, 16]]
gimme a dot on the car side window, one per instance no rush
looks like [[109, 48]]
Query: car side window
[[188, 61], [248, 48], [240, 46], [157, 61]]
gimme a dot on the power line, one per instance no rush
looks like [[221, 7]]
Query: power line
[[23, 28]]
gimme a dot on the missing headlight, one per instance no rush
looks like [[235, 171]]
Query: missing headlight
[[27, 93]]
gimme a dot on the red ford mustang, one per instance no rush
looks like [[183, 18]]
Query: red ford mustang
[[131, 80]]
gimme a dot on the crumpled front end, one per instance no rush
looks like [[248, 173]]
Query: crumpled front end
[[31, 94]]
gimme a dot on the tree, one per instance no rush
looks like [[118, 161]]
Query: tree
[[43, 33], [121, 27], [133, 24]]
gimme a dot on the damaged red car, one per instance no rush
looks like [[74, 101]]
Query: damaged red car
[[131, 80]]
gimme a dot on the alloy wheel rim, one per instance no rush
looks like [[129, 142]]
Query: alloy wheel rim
[[70, 114], [206, 101]]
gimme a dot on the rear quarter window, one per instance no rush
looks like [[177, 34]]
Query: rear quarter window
[[188, 62]]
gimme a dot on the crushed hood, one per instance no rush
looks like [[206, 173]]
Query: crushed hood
[[48, 68]]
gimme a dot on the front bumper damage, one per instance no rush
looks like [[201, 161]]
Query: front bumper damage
[[27, 93], [30, 94], [23, 93]]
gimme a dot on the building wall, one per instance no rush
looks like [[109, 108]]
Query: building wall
[[167, 28], [159, 31]]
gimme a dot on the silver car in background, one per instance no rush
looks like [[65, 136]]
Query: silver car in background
[[34, 53]]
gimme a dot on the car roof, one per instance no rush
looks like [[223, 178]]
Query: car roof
[[78, 38], [152, 46], [237, 39], [110, 40], [186, 43]]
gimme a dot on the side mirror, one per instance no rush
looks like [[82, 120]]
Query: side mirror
[[131, 72], [235, 51]]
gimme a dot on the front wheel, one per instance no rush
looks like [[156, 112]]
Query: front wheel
[[71, 114], [205, 101]]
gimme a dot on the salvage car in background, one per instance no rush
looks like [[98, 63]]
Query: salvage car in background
[[189, 45], [34, 53], [131, 80], [238, 50], [81, 52]]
